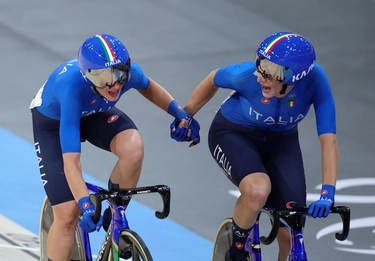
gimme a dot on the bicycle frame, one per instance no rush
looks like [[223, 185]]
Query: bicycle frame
[[119, 221], [292, 219]]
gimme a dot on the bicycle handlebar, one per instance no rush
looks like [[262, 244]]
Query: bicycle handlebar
[[276, 215], [100, 194]]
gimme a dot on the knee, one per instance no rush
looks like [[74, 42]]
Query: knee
[[66, 219], [132, 151], [128, 146], [255, 191], [257, 195]]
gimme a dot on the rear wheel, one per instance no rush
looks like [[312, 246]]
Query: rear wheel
[[223, 240], [46, 220], [131, 245]]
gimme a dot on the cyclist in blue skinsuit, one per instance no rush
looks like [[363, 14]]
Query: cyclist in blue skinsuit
[[254, 137], [77, 103]]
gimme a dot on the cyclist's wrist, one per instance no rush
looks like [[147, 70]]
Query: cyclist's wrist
[[85, 204], [177, 112], [328, 192]]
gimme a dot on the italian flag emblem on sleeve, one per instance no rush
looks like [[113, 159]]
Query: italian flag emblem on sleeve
[[291, 102]]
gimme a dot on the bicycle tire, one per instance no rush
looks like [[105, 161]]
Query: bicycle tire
[[223, 240], [130, 240], [46, 220]]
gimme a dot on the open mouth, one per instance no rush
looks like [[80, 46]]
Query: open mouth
[[114, 93], [266, 88]]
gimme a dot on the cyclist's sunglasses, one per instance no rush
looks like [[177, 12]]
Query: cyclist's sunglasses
[[120, 73], [263, 72]]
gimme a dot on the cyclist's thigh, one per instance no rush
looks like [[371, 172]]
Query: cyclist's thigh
[[48, 150], [236, 153], [100, 128], [65, 210], [285, 169]]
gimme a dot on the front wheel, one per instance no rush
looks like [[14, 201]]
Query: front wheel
[[131, 245]]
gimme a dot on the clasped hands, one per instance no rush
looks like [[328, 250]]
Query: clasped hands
[[185, 130]]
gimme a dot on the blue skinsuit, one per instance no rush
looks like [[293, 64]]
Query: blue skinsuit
[[67, 97], [249, 108], [254, 134], [66, 110]]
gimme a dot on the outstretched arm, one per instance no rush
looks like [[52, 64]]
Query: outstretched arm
[[157, 95], [161, 98], [202, 94]]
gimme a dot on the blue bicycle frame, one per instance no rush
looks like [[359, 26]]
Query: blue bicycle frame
[[292, 219], [119, 220]]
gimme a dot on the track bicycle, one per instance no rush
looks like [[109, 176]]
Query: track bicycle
[[291, 218], [120, 242]]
